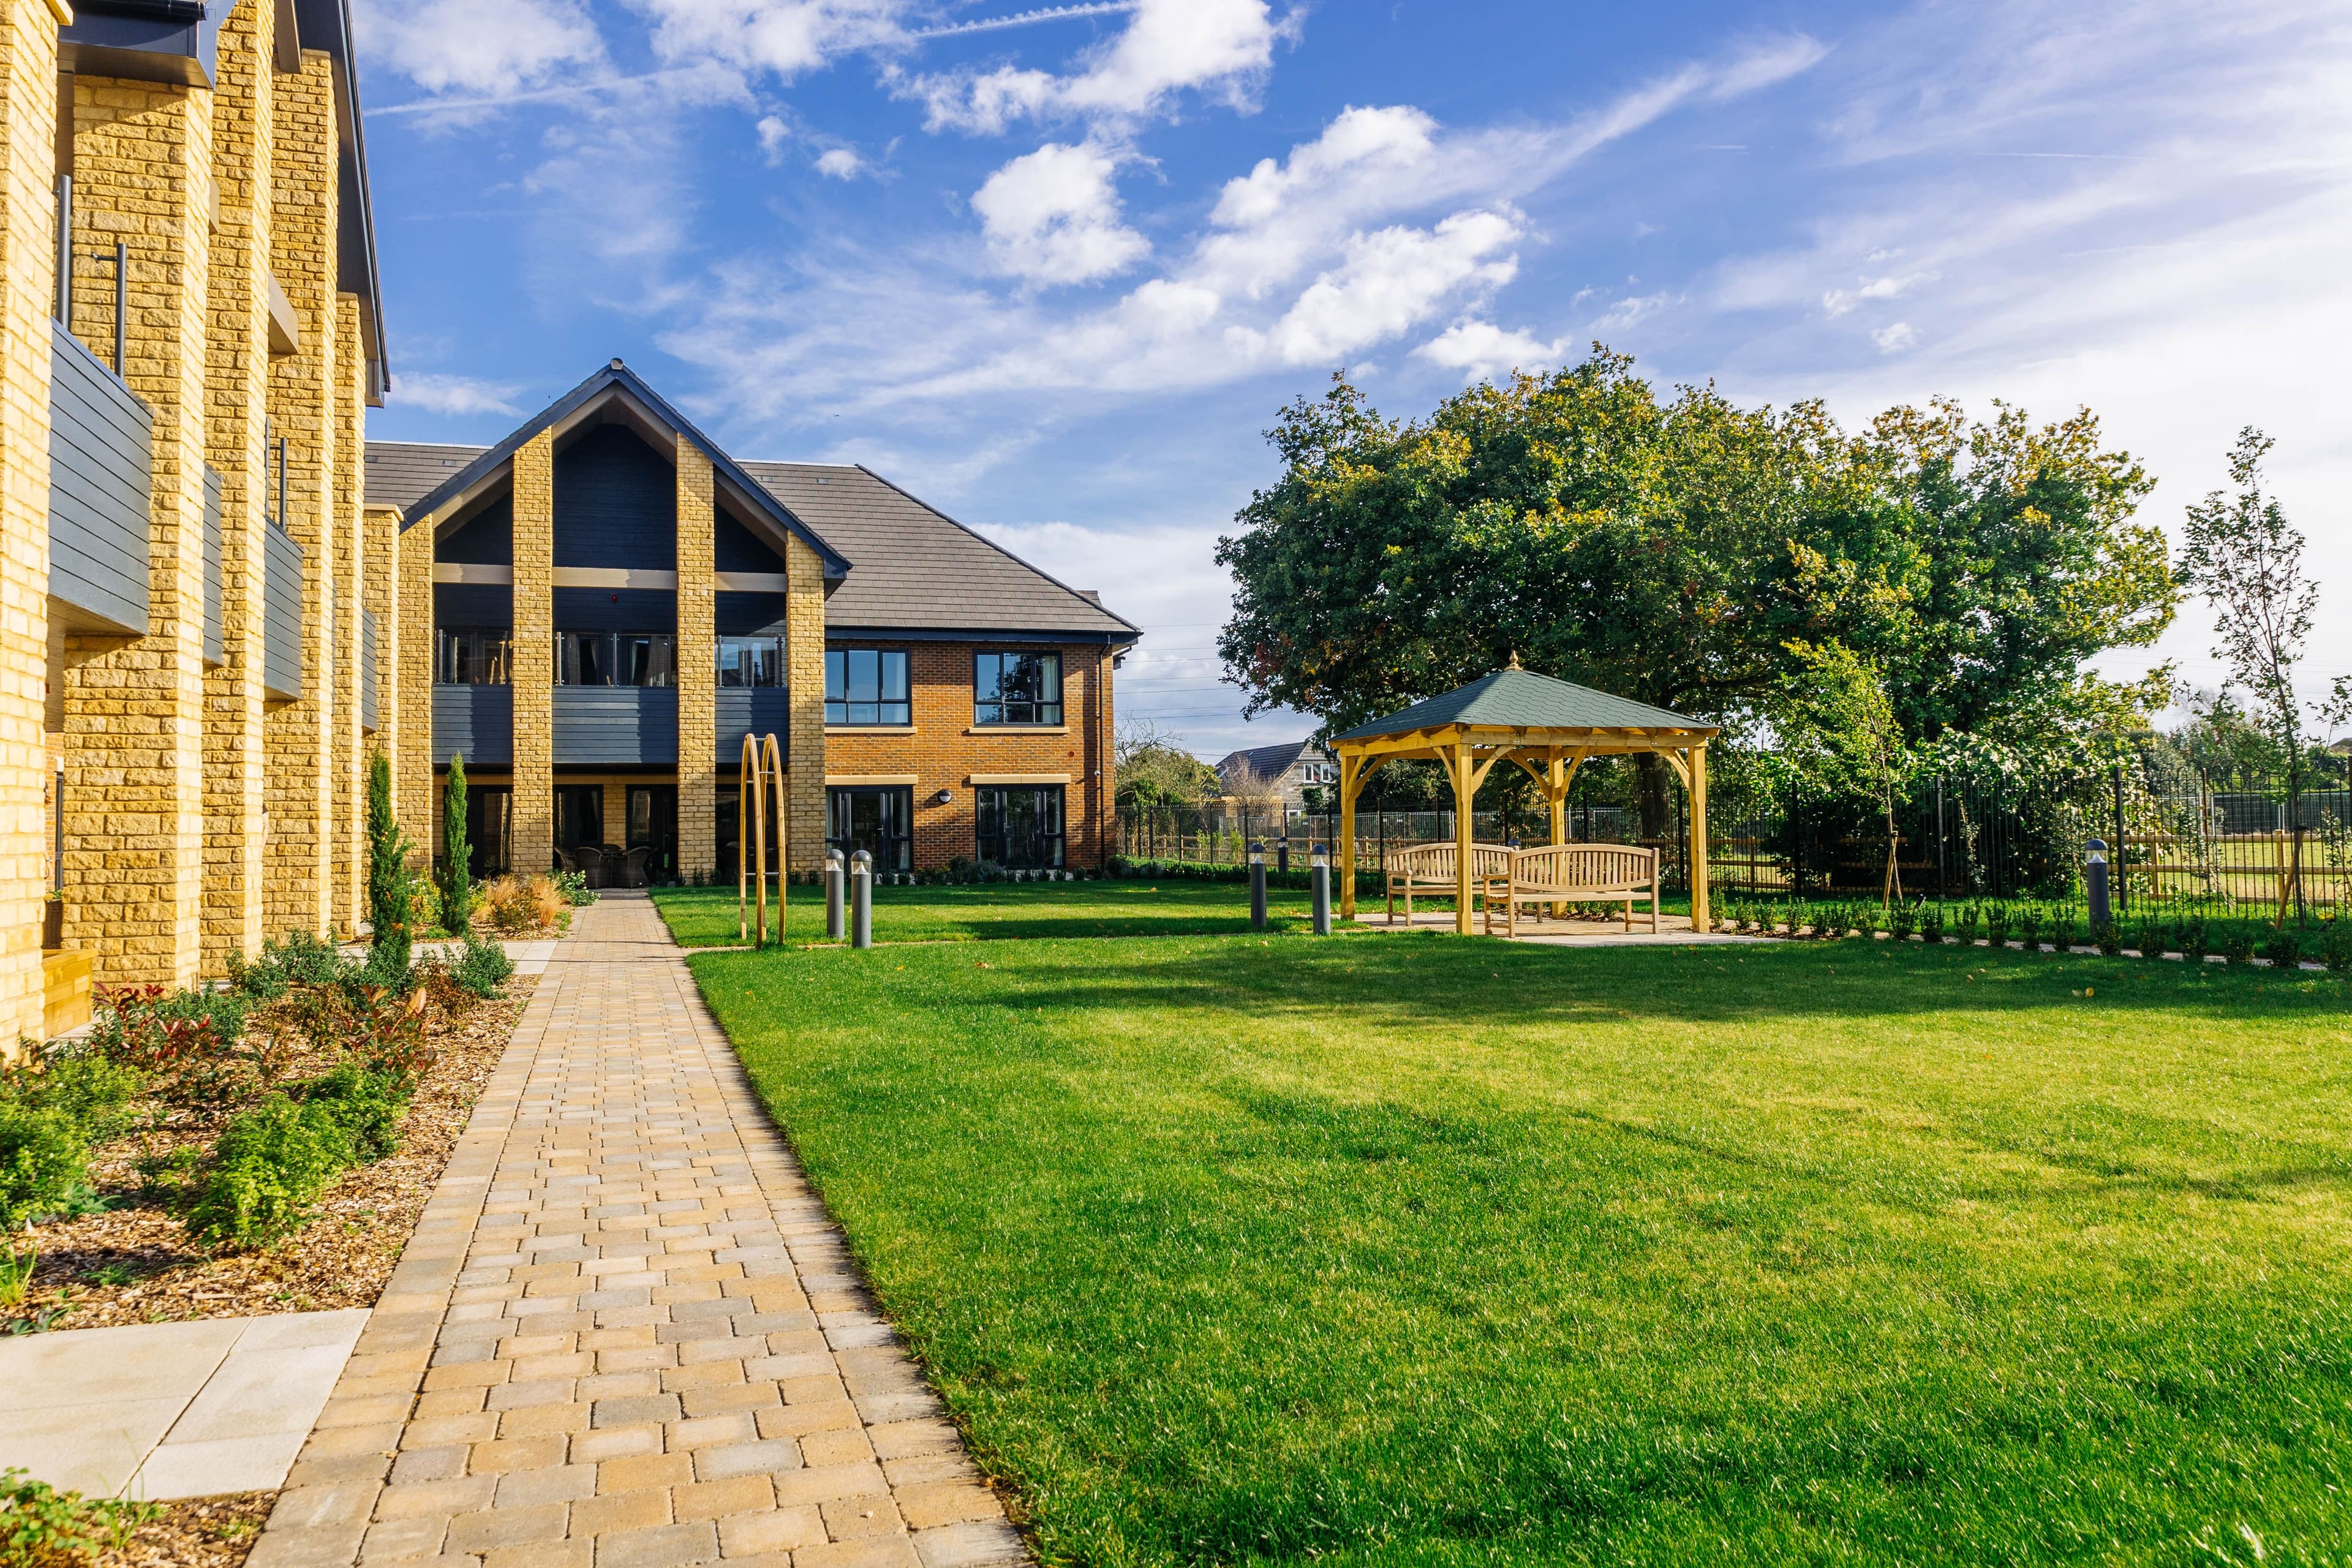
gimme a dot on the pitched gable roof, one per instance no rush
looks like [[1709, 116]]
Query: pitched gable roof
[[919, 569], [1520, 699], [616, 380], [1265, 762], [401, 473]]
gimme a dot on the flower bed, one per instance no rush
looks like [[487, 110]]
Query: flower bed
[[2032, 928], [263, 1148]]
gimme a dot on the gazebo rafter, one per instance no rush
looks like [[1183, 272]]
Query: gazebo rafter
[[1550, 728]]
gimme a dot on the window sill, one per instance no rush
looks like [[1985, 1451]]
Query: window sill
[[1018, 729], [869, 729]]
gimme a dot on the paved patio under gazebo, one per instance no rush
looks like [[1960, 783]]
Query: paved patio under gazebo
[[1548, 728]]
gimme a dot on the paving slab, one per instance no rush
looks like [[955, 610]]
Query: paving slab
[[626, 1331], [170, 1410]]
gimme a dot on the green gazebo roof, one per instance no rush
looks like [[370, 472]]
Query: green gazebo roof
[[1517, 698]]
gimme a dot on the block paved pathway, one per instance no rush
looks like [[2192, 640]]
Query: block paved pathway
[[626, 1334]]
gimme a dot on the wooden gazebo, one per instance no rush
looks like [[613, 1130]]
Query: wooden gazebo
[[1548, 728]]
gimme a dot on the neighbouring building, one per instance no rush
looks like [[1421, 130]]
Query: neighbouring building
[[1289, 771], [195, 620], [599, 608]]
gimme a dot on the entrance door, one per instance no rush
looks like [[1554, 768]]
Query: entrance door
[[579, 815], [489, 817], [879, 821], [653, 824]]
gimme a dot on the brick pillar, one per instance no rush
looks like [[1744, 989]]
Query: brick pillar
[[28, 95], [237, 383], [805, 670], [298, 736], [412, 689], [698, 762], [342, 479], [534, 654], [379, 596], [134, 706], [1101, 777]]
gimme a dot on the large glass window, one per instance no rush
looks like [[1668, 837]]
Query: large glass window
[[579, 815], [490, 818], [615, 658], [879, 821], [653, 824], [1016, 689], [751, 661], [866, 686], [1021, 825], [471, 656]]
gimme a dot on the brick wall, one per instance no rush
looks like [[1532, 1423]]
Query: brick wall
[[342, 479], [945, 750], [533, 666], [697, 673], [413, 692]]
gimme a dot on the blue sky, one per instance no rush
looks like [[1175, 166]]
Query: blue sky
[[1054, 268]]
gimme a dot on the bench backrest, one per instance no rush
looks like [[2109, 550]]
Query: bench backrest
[[1585, 866], [1435, 862]]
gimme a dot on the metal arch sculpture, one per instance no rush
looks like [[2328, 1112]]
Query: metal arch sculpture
[[759, 783]]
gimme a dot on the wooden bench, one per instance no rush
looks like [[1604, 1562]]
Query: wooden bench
[[1429, 870], [1573, 874]]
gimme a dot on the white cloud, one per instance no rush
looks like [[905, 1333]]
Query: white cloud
[[774, 135], [787, 37], [1631, 311], [840, 163], [1480, 350], [1896, 338], [1218, 47], [452, 395], [462, 46], [1053, 216], [1390, 281], [1838, 302]]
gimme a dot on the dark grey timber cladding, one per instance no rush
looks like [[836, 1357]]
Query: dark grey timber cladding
[[367, 669], [616, 724], [756, 711], [476, 723], [216, 637], [281, 615], [101, 442], [615, 503]]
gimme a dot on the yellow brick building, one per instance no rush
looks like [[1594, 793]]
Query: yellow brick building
[[198, 615]]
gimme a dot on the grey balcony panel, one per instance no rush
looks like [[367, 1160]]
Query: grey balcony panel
[[281, 615], [752, 710], [367, 670], [101, 442], [216, 637], [619, 725], [476, 723]]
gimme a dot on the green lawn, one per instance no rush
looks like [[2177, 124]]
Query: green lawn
[[705, 916], [1411, 1249]]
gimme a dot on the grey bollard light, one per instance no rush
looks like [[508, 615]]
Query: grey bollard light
[[2094, 885], [861, 899], [1319, 880], [1258, 884], [1282, 853], [835, 875]]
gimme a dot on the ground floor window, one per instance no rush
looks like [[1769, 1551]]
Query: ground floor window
[[653, 827], [579, 815], [489, 830], [1021, 825], [880, 821]]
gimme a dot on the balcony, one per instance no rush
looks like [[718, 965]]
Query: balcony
[[751, 710], [475, 722], [615, 725], [101, 440]]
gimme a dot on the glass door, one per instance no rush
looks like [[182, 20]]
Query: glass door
[[879, 821]]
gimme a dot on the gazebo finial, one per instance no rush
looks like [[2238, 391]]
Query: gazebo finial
[[1515, 661]]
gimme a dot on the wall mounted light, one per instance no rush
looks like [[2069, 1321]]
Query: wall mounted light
[[944, 796]]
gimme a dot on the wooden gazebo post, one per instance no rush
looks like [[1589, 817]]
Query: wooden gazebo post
[[1352, 768], [1701, 919], [1465, 793]]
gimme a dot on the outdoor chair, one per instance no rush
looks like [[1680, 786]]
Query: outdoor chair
[[633, 865], [591, 862], [1428, 869], [1573, 874]]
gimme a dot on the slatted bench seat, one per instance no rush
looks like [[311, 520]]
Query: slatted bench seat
[[1429, 870], [1573, 874]]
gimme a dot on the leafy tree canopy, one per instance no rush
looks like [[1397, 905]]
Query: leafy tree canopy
[[1680, 551]]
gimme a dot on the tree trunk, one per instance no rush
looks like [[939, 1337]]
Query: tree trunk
[[1651, 783]]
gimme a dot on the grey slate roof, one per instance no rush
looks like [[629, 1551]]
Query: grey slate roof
[[1264, 761], [402, 473], [1520, 697], [917, 569]]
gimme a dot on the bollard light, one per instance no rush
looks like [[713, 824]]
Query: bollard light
[[1320, 882], [1258, 884], [861, 899], [2094, 886], [836, 876]]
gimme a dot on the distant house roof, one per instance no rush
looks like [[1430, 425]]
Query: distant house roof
[[1520, 699], [919, 569], [402, 473], [1266, 762]]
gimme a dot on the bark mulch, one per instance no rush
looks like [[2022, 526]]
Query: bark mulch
[[135, 1263], [195, 1532]]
